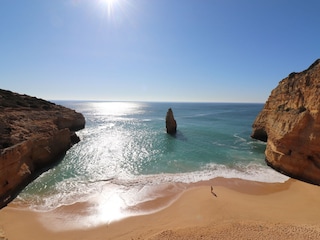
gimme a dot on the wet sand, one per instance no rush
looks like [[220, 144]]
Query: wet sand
[[241, 210]]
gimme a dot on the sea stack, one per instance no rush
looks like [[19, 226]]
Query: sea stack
[[290, 124], [171, 124], [35, 134]]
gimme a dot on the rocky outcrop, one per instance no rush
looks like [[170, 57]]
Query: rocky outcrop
[[35, 134], [171, 124], [290, 124]]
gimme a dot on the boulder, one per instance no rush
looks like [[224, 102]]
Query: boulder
[[290, 124], [171, 124], [35, 134]]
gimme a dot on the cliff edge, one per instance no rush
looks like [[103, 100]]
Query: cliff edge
[[290, 124], [34, 135]]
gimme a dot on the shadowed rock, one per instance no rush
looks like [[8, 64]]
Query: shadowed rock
[[171, 124], [290, 124]]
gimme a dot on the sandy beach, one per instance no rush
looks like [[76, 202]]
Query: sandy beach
[[241, 210]]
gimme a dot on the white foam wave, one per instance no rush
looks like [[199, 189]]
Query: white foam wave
[[240, 139], [74, 190], [115, 198], [251, 171]]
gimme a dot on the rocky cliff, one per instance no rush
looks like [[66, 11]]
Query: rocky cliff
[[290, 124], [34, 135]]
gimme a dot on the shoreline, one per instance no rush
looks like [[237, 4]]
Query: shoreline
[[240, 206]]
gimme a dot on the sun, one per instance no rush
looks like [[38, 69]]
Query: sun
[[110, 5], [114, 10]]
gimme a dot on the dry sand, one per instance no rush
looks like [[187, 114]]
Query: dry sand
[[241, 210]]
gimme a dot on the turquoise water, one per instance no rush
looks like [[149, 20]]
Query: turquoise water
[[124, 152]]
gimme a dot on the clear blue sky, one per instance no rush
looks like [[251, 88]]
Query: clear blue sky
[[155, 50]]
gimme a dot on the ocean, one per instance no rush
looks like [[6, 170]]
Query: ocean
[[125, 157]]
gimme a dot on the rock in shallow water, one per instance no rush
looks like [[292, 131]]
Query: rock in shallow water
[[290, 124], [171, 124]]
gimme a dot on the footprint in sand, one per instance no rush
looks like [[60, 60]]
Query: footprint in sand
[[2, 237]]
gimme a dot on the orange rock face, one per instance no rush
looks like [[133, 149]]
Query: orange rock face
[[290, 124], [34, 135]]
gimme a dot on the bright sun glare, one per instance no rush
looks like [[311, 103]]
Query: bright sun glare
[[115, 10], [110, 4]]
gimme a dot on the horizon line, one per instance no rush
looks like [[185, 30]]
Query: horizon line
[[150, 101]]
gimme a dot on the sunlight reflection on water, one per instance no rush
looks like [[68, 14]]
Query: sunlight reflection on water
[[116, 108], [125, 157], [112, 202]]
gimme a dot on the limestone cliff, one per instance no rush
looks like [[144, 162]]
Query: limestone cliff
[[290, 124], [171, 124], [34, 135]]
